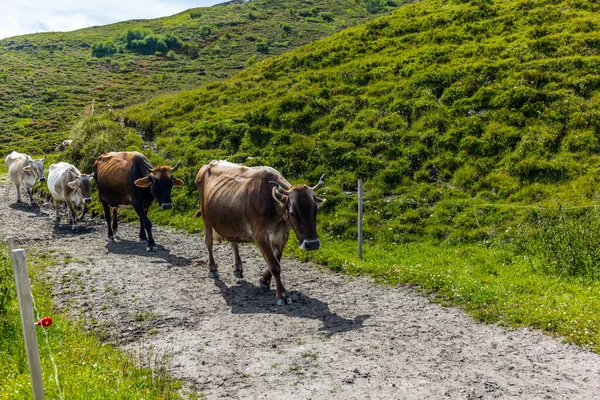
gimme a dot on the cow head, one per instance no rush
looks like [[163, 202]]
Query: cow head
[[301, 206], [36, 168], [83, 186], [160, 181]]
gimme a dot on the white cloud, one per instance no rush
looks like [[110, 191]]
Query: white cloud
[[30, 16]]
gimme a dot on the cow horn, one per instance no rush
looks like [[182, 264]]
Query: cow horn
[[176, 166], [280, 189], [320, 184]]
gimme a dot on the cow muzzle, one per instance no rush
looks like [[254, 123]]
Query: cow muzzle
[[42, 179], [87, 200], [314, 244], [166, 206]]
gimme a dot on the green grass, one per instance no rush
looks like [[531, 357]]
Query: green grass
[[87, 368], [442, 108], [49, 80], [491, 284]]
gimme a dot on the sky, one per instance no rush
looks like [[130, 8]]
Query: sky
[[18, 17]]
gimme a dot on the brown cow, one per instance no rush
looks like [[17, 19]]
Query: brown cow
[[256, 204], [128, 179]]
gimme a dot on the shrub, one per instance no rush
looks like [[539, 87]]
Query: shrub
[[262, 46], [205, 31], [142, 40], [286, 28], [105, 48], [327, 16], [171, 55], [195, 14], [375, 6], [136, 34]]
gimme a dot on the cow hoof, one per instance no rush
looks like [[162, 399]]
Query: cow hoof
[[19, 201], [264, 286], [213, 275], [111, 239], [152, 248], [288, 300], [238, 274], [281, 302], [142, 240]]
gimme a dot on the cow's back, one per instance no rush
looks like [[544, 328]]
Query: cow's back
[[234, 198], [115, 174], [59, 175]]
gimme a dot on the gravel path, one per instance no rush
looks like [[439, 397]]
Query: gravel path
[[341, 339]]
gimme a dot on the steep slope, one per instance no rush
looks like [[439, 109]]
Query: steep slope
[[49, 80], [444, 105]]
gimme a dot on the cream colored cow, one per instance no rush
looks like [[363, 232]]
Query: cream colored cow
[[24, 171]]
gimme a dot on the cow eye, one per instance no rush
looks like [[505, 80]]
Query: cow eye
[[292, 214]]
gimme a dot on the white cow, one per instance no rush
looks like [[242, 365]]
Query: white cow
[[67, 184], [23, 170]]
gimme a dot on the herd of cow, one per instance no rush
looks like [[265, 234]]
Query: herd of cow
[[237, 203]]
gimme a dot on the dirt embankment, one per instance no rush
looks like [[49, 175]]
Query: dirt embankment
[[342, 338]]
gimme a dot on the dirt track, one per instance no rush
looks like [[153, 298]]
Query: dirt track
[[342, 338]]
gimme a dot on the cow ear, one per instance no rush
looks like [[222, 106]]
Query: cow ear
[[280, 198], [72, 184], [178, 182], [27, 168], [319, 201], [143, 182]]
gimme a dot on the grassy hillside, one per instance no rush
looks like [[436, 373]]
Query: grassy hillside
[[473, 123], [447, 109], [49, 80]]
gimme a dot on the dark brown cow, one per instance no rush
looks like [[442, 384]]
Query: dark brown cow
[[256, 204], [128, 179]]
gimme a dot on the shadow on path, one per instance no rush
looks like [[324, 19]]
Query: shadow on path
[[246, 298], [135, 248]]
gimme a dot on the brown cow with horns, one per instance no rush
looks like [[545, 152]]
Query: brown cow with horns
[[128, 179], [256, 204]]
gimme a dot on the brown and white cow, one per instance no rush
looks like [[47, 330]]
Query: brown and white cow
[[24, 171], [256, 204], [67, 184], [128, 179]]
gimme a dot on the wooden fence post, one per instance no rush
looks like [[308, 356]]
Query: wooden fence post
[[19, 267], [360, 217]]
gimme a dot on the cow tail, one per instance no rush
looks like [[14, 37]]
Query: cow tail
[[198, 213]]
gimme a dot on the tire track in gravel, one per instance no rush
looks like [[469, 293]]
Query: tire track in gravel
[[342, 338]]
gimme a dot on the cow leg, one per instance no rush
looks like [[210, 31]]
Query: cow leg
[[238, 270], [83, 212], [115, 225], [30, 194], [267, 251], [56, 213], [72, 213], [147, 225], [107, 217], [208, 242], [265, 281], [18, 186]]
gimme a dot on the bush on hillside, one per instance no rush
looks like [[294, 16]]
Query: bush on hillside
[[142, 40], [104, 48]]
